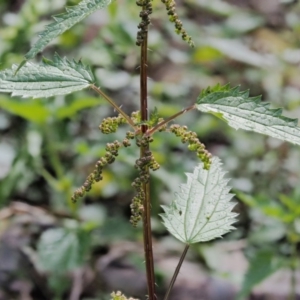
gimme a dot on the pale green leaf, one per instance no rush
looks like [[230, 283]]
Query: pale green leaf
[[63, 249], [33, 111], [240, 111], [65, 21], [201, 210], [262, 265], [50, 78], [77, 105]]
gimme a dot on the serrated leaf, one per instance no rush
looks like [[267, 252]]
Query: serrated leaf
[[65, 21], [50, 78], [201, 210], [249, 113], [63, 249]]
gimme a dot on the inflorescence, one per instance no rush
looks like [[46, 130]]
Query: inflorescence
[[143, 164], [109, 157], [110, 125], [173, 17], [119, 296], [190, 137], [144, 14], [107, 126]]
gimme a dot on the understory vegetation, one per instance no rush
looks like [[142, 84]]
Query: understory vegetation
[[75, 199]]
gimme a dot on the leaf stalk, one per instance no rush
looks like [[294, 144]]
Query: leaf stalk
[[116, 107], [162, 123], [177, 271]]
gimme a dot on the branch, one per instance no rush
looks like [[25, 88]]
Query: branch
[[161, 124], [117, 108]]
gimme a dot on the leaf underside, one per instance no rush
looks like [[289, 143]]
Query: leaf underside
[[249, 113], [65, 21], [201, 210], [50, 78]]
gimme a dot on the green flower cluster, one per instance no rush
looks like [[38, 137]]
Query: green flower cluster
[[112, 150], [194, 144], [119, 296], [109, 125], [173, 17], [136, 117], [162, 128]]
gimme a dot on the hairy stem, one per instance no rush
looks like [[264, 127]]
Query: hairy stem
[[176, 271], [159, 125], [146, 187], [116, 107]]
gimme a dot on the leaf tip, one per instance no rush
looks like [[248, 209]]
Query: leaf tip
[[20, 66]]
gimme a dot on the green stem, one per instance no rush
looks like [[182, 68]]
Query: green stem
[[176, 271], [147, 232], [56, 165], [116, 107], [293, 293], [162, 123], [52, 153], [52, 181]]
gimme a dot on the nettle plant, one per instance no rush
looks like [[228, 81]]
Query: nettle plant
[[202, 208]]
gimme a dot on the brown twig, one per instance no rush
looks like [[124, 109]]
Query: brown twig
[[146, 187]]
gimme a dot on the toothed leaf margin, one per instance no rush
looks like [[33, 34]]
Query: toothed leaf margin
[[65, 21], [202, 209], [248, 113], [49, 78]]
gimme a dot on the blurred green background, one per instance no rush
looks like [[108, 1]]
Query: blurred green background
[[51, 248]]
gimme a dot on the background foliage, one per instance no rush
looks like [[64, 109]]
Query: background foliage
[[49, 146]]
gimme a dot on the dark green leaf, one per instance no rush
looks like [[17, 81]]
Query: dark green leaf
[[261, 266]]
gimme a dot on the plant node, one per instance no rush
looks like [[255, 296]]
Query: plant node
[[142, 164]]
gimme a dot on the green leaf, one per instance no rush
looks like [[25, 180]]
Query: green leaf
[[201, 210], [240, 111], [65, 21], [50, 78], [32, 111], [261, 266], [63, 249], [77, 105], [58, 283], [291, 203]]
